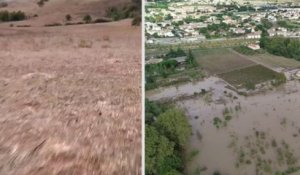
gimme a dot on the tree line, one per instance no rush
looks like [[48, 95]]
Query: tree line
[[6, 16], [281, 46]]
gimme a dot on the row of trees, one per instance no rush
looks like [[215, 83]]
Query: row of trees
[[6, 16], [281, 46], [167, 131], [132, 10]]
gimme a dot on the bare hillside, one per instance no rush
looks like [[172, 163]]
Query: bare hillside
[[69, 95], [54, 11]]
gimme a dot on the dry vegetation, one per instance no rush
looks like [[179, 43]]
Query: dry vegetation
[[70, 100]]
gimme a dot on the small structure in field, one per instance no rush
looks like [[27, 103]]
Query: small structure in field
[[297, 75], [254, 46], [180, 60], [154, 61]]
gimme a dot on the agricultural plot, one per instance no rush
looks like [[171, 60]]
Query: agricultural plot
[[217, 61], [276, 61], [250, 76]]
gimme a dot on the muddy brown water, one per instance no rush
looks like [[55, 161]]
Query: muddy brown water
[[262, 136]]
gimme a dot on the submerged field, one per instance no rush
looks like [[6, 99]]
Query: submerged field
[[250, 76], [234, 134]]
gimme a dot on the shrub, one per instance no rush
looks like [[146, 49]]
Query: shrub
[[53, 25], [87, 19], [24, 25], [41, 3], [101, 20], [68, 17], [250, 85]]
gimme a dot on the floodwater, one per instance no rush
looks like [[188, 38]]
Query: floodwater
[[261, 137]]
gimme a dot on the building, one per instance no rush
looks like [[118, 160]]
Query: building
[[255, 35], [254, 46]]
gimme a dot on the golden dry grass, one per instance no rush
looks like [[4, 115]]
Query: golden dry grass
[[67, 109]]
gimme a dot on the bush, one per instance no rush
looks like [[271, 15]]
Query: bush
[[41, 3], [246, 50], [68, 17], [87, 19], [6, 16], [250, 85]]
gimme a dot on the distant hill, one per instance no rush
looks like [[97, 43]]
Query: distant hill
[[55, 11]]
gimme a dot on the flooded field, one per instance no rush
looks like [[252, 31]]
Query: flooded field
[[238, 135]]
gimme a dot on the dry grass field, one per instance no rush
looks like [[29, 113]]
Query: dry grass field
[[70, 99]]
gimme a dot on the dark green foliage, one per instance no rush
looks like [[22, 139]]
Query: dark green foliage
[[246, 50], [102, 20], [87, 19], [152, 110], [291, 170], [217, 28], [164, 139], [165, 67], [158, 150], [132, 10], [266, 23], [191, 59], [168, 17], [174, 125], [249, 85], [158, 4], [217, 173], [6, 16], [288, 24], [281, 46], [191, 19], [175, 53]]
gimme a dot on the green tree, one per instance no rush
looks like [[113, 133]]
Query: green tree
[[191, 59], [266, 23], [87, 19], [174, 125], [157, 149]]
